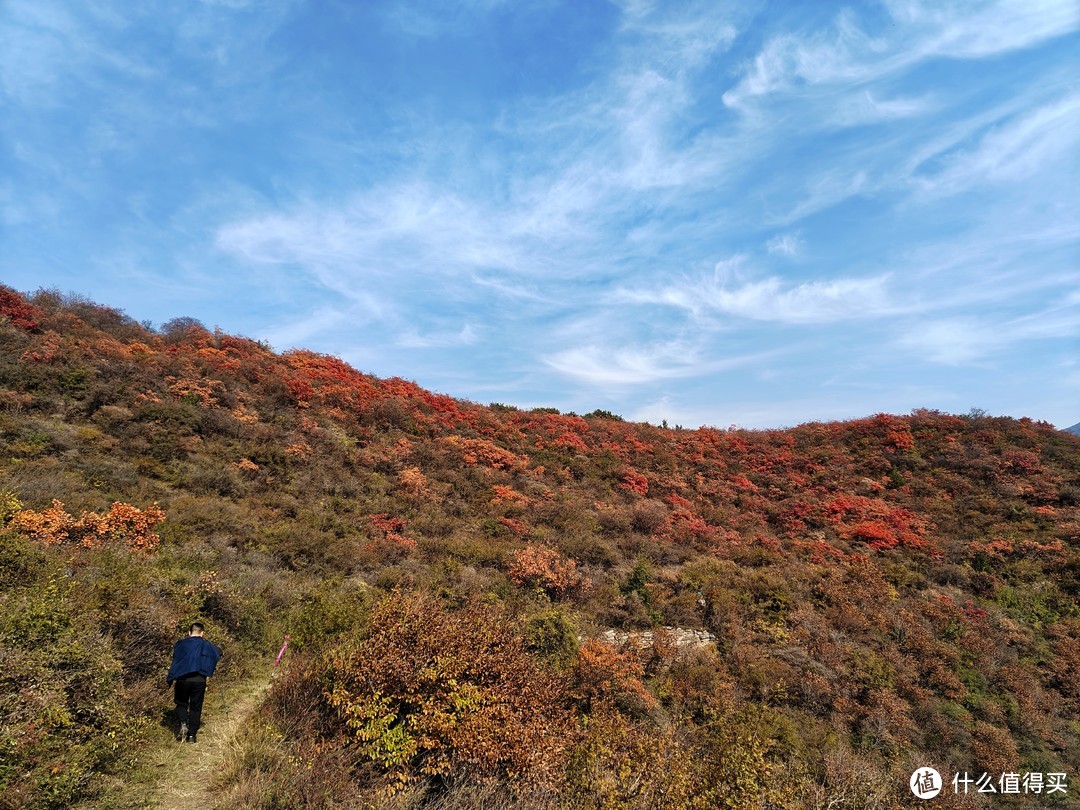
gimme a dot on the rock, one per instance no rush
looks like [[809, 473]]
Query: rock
[[682, 637]]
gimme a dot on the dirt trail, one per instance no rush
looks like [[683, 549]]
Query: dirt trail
[[186, 772]]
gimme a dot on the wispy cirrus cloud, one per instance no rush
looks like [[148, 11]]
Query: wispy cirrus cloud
[[984, 29], [867, 108], [468, 335], [645, 364], [785, 244], [845, 54], [537, 198], [634, 365], [971, 340], [957, 341], [586, 164], [849, 56], [772, 299], [45, 49], [385, 230], [1013, 150]]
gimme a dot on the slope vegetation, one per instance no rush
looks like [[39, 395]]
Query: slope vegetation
[[873, 595]]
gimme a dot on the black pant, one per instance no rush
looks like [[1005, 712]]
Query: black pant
[[189, 697]]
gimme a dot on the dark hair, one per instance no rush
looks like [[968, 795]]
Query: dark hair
[[196, 626]]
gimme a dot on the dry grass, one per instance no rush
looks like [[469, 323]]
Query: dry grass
[[189, 774]]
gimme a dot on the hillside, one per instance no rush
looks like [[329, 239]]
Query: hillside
[[871, 596]]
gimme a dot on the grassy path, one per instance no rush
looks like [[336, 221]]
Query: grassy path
[[185, 773]]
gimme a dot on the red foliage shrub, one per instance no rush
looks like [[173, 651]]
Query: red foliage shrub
[[900, 438], [687, 527], [123, 523], [313, 378], [414, 482], [742, 482], [635, 482], [203, 393], [17, 310], [876, 523], [49, 527], [392, 529], [299, 450]]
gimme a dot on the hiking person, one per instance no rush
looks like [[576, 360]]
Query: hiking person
[[193, 662]]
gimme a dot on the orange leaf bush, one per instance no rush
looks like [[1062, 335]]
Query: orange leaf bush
[[604, 673], [545, 568], [122, 524], [478, 452], [414, 482], [431, 693], [505, 494]]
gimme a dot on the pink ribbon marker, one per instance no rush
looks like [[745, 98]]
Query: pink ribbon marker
[[281, 652]]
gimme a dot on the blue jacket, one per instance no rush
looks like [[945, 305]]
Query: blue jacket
[[193, 655]]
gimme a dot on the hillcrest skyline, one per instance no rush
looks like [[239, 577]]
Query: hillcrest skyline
[[708, 214]]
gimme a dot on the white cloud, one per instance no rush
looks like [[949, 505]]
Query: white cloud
[[406, 227], [583, 165], [47, 50], [628, 365], [969, 340], [785, 244], [951, 342], [851, 57], [692, 34], [1013, 151], [787, 60], [773, 300], [310, 325], [633, 365], [466, 336], [980, 29], [812, 302], [856, 110], [825, 190]]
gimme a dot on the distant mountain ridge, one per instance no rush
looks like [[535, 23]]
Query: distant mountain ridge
[[1074, 429]]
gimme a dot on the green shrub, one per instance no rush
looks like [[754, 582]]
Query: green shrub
[[63, 708], [324, 615], [552, 636]]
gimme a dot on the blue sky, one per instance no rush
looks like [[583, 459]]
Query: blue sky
[[711, 213]]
